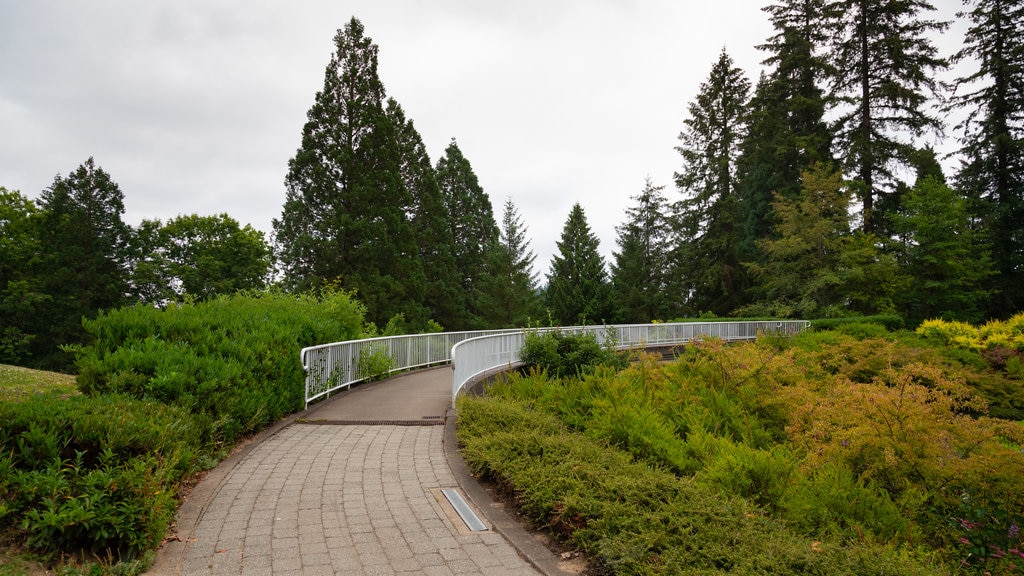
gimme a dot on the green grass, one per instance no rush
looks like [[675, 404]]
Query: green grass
[[18, 383]]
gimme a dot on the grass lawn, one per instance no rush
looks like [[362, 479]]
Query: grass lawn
[[17, 383]]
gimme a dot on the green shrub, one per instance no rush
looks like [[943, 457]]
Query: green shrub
[[374, 364], [233, 360], [94, 474], [890, 322], [565, 354], [633, 518]]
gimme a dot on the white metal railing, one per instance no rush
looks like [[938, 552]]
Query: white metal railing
[[476, 356], [332, 367]]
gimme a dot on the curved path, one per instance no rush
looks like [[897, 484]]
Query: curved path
[[351, 486]]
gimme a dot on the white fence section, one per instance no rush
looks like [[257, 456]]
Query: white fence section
[[474, 357], [332, 367]]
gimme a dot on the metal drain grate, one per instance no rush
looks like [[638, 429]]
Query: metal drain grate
[[473, 522]]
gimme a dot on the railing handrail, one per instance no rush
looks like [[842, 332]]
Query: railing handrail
[[331, 367]]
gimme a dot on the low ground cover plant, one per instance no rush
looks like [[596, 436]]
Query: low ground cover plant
[[859, 454]]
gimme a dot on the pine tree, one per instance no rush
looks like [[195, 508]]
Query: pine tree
[[346, 212], [883, 67], [85, 254], [510, 287], [787, 131], [992, 135], [578, 292], [473, 228], [639, 272], [943, 254], [442, 295], [707, 220]]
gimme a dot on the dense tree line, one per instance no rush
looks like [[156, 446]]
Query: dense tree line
[[792, 198], [69, 255]]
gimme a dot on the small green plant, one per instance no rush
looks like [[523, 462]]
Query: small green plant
[[374, 364], [566, 354]]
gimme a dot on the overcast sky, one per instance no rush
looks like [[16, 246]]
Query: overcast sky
[[196, 106]]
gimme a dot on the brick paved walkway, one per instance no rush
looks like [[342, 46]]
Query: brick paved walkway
[[335, 499]]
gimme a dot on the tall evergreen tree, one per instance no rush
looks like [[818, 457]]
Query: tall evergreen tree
[[85, 247], [946, 258], [442, 295], [707, 220], [787, 131], [578, 291], [346, 213], [883, 75], [510, 287], [638, 272], [473, 228], [992, 135]]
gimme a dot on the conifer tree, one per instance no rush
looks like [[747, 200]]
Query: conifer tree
[[787, 131], [442, 295], [578, 292], [707, 221], [473, 228], [345, 218], [944, 256], [883, 75], [85, 247], [992, 173], [639, 271], [510, 287]]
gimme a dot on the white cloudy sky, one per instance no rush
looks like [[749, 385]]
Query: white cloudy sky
[[196, 106]]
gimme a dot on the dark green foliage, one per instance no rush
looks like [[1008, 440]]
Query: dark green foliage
[[887, 321], [94, 474], [708, 223], [442, 296], [565, 354], [787, 132], [578, 291], [473, 231], [198, 257], [84, 257], [233, 360], [638, 275], [883, 68], [946, 258], [814, 265], [510, 285], [21, 296], [346, 213], [992, 135]]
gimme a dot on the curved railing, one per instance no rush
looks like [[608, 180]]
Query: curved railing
[[333, 367], [474, 357]]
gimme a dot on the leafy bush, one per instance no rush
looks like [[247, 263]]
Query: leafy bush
[[565, 354], [93, 474], [233, 360]]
